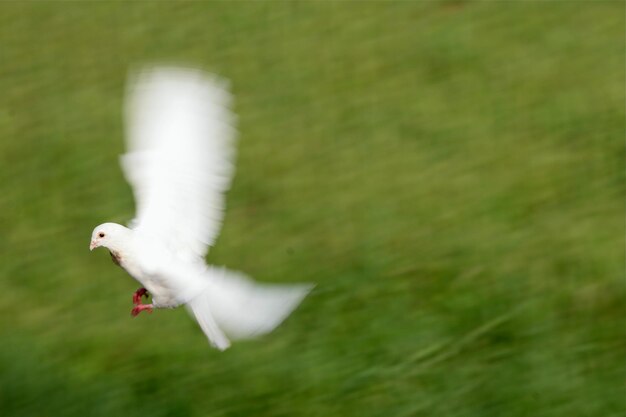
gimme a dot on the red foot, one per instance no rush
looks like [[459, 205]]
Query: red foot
[[138, 294], [139, 308]]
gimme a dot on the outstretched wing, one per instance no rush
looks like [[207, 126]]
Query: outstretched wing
[[179, 163]]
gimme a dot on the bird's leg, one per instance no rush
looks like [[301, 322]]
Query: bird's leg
[[137, 301], [139, 308], [138, 294]]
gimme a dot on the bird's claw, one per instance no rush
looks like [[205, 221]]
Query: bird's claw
[[139, 308], [138, 294], [141, 292]]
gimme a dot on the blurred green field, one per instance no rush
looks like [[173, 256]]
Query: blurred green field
[[450, 174]]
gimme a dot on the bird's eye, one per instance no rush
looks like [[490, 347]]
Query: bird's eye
[[101, 234]]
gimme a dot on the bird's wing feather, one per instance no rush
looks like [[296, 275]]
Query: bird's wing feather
[[233, 306], [180, 156]]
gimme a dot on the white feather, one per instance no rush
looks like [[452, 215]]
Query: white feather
[[243, 308], [180, 156]]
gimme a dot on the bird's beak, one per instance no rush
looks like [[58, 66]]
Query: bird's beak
[[93, 245]]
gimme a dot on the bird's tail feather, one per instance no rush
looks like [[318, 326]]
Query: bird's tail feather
[[233, 306]]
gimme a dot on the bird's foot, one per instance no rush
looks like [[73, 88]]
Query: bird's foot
[[139, 308], [138, 294]]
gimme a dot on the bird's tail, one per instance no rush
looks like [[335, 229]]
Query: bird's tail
[[235, 307]]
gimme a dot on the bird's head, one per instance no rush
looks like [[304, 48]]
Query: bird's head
[[107, 235]]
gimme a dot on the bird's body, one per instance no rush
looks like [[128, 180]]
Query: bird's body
[[180, 164], [170, 281]]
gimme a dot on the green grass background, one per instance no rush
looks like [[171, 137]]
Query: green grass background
[[450, 174]]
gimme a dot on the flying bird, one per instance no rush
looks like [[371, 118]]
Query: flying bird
[[179, 163]]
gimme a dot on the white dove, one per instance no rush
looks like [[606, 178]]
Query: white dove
[[179, 164]]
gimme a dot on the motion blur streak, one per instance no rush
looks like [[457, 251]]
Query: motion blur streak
[[449, 173]]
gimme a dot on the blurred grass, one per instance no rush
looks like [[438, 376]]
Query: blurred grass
[[451, 174]]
